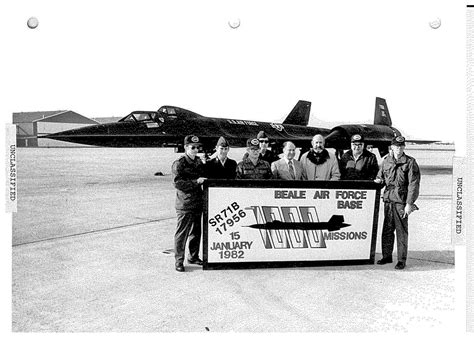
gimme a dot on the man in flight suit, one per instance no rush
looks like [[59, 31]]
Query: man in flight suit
[[188, 172], [358, 163], [400, 175], [253, 167], [264, 153]]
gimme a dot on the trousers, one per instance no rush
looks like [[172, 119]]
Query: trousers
[[395, 222], [189, 227]]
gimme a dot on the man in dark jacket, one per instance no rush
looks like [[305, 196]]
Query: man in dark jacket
[[221, 167], [400, 175], [358, 163], [265, 153], [188, 172]]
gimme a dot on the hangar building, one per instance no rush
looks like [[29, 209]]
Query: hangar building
[[103, 120], [30, 125]]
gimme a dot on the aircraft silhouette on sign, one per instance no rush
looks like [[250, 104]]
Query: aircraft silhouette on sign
[[168, 126], [336, 222]]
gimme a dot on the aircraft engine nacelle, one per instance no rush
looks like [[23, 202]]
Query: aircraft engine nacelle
[[375, 135]]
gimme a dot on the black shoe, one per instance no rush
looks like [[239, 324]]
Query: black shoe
[[384, 261], [400, 266], [179, 267], [196, 261]]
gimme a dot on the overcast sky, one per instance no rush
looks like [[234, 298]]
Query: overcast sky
[[108, 58]]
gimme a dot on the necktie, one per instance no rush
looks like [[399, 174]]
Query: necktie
[[292, 170]]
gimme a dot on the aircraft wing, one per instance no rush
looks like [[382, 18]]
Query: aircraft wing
[[421, 141]]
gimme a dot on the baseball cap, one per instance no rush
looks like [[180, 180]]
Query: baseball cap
[[357, 138], [191, 139], [398, 141], [253, 143]]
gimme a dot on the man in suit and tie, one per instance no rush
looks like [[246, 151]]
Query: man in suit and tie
[[287, 168]]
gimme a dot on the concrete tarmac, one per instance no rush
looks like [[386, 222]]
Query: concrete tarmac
[[93, 253]]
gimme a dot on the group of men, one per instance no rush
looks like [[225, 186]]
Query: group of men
[[399, 174], [316, 164]]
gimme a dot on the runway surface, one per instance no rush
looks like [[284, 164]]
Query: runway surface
[[92, 252]]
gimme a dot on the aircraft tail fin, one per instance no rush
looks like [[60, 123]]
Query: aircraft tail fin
[[382, 116], [299, 115], [336, 220]]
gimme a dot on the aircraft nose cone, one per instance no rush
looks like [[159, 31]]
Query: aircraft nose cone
[[84, 135], [78, 132], [57, 136]]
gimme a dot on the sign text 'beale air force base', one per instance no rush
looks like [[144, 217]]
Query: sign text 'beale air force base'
[[322, 223]]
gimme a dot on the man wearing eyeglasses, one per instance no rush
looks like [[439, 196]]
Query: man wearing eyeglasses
[[188, 172], [358, 163], [265, 153], [253, 167]]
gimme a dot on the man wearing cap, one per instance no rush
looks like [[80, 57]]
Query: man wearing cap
[[400, 175], [287, 168], [318, 163], [188, 172], [265, 153], [253, 167], [221, 167], [358, 163]]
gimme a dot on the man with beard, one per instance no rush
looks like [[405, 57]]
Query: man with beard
[[358, 163], [318, 163]]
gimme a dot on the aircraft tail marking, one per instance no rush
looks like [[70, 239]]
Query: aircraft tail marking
[[382, 116], [299, 115]]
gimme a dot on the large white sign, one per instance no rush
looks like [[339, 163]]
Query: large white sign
[[326, 224]]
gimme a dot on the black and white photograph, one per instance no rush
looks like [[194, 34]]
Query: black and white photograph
[[236, 166]]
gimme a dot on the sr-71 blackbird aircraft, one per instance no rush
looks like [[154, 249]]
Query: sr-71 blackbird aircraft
[[168, 126]]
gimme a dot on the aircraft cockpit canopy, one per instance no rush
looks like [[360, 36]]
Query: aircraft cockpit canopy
[[165, 113], [144, 117], [168, 111]]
